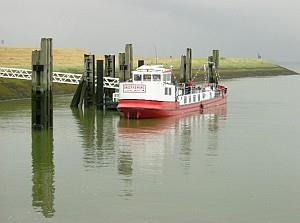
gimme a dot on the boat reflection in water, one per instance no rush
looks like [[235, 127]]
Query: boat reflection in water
[[43, 172], [150, 140], [134, 148]]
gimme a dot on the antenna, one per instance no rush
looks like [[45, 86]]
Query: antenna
[[155, 54]]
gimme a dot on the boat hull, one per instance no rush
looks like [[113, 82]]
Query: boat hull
[[139, 109]]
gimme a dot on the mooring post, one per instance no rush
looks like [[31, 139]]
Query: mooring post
[[128, 61], [89, 74], [210, 69], [183, 69], [216, 58], [110, 66], [41, 94], [122, 67], [189, 63], [99, 92], [141, 63]]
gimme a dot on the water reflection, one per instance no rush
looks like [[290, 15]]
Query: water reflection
[[125, 169], [141, 147], [97, 131], [43, 172]]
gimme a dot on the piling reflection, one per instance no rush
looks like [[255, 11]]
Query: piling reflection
[[125, 169], [43, 172], [97, 130]]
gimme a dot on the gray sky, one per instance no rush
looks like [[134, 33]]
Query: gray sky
[[239, 28]]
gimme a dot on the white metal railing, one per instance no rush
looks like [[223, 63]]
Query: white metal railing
[[111, 82], [58, 77]]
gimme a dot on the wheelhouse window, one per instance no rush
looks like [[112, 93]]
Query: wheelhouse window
[[147, 77], [166, 91], [170, 91], [167, 78], [137, 77], [156, 77]]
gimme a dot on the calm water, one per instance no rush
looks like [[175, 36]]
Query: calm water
[[240, 164]]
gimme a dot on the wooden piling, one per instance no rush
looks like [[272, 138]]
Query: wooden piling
[[122, 67], [100, 92], [110, 67], [109, 72], [141, 63], [89, 74], [128, 61], [189, 63], [183, 69], [41, 94], [216, 58], [85, 92], [210, 77]]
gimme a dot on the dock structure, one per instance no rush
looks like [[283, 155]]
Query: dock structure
[[85, 92], [41, 94]]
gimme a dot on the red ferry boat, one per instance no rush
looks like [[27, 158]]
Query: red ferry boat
[[151, 94]]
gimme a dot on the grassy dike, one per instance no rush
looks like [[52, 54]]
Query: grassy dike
[[71, 60]]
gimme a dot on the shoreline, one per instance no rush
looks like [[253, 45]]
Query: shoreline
[[14, 89]]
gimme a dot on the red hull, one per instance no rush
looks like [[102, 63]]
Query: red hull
[[137, 109]]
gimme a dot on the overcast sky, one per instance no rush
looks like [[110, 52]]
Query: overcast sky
[[239, 28]]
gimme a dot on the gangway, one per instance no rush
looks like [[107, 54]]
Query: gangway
[[58, 77]]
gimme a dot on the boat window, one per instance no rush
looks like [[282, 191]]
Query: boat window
[[185, 100], [166, 91], [147, 77], [137, 77], [170, 91], [194, 98], [190, 99], [199, 97], [167, 78], [156, 77]]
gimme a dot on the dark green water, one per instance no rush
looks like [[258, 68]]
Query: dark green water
[[241, 164]]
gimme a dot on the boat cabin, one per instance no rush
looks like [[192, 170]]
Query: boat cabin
[[154, 73]]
